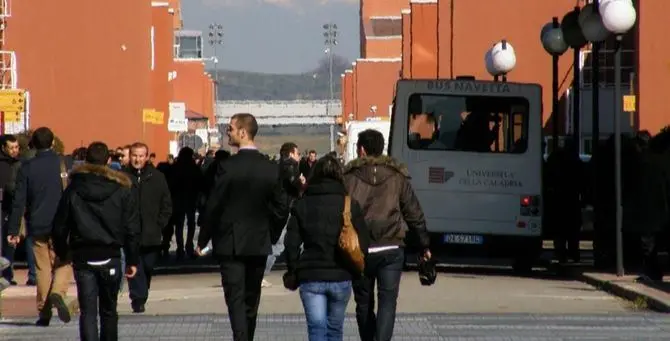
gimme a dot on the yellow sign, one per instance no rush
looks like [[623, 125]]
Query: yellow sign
[[12, 100], [11, 116], [159, 117], [629, 103], [152, 116], [147, 116]]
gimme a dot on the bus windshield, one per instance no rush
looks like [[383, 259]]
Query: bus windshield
[[481, 124]]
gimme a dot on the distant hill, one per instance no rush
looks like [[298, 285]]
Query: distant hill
[[312, 85]]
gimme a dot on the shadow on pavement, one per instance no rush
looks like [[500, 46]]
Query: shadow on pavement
[[17, 323]]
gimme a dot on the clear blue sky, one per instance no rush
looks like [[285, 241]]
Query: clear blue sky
[[275, 36]]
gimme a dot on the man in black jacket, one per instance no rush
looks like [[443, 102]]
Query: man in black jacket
[[96, 217], [292, 182], [39, 185], [244, 216], [153, 196], [8, 158]]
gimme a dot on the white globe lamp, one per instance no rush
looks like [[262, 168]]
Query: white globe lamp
[[619, 16], [603, 4], [503, 57], [592, 25], [488, 61]]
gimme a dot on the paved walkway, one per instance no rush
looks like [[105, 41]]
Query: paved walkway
[[457, 290], [409, 327], [653, 296]]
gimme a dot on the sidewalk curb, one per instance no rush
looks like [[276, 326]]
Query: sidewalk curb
[[653, 302]]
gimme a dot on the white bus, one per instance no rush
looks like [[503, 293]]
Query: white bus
[[474, 152]]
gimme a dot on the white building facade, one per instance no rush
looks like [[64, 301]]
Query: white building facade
[[282, 113]]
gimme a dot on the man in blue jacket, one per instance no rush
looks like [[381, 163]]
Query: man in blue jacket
[[39, 185]]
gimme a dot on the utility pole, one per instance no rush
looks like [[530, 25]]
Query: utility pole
[[330, 35], [215, 39]]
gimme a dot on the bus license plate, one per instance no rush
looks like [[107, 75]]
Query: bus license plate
[[470, 239]]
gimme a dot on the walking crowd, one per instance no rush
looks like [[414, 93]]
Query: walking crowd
[[645, 192], [101, 216]]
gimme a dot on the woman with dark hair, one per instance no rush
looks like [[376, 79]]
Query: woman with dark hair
[[322, 272]]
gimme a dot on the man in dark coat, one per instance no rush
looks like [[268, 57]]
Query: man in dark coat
[[39, 186], [8, 157], [292, 182], [153, 195], [647, 207], [96, 218], [245, 214]]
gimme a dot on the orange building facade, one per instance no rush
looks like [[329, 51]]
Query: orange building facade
[[448, 38], [86, 66], [91, 68], [372, 79]]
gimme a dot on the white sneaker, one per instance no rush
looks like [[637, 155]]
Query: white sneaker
[[4, 263], [265, 284], [4, 284]]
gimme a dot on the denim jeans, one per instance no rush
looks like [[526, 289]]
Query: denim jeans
[[97, 292], [30, 259], [8, 252], [325, 306], [123, 268], [384, 268]]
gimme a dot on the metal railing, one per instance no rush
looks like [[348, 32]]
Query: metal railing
[[8, 73], [5, 9]]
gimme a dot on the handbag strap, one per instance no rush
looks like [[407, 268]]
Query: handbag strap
[[63, 174], [347, 209]]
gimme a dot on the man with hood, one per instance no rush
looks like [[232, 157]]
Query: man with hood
[[98, 216], [381, 186]]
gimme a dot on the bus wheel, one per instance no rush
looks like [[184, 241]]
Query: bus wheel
[[523, 265], [527, 257]]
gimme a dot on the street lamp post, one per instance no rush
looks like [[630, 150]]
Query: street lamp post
[[330, 40], [553, 42], [593, 30], [618, 17], [216, 39], [574, 37]]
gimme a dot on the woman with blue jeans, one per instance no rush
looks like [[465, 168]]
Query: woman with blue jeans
[[321, 272]]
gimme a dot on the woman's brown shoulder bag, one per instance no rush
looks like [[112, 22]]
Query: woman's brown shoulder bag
[[348, 242]]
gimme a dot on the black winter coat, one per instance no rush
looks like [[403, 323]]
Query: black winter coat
[[7, 180], [289, 173], [97, 216], [316, 221], [39, 186], [152, 193]]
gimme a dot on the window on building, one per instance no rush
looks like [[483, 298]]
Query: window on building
[[385, 26], [468, 123], [188, 47], [606, 60]]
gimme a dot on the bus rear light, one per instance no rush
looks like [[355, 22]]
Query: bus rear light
[[530, 205]]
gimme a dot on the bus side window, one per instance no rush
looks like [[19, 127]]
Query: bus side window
[[480, 124]]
